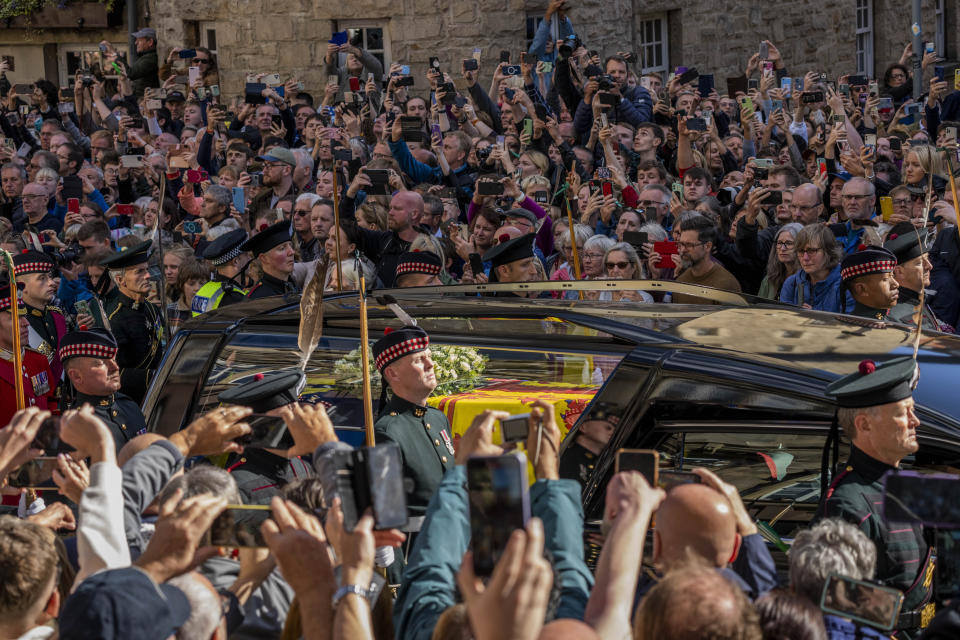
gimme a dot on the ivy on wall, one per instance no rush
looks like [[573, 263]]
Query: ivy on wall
[[26, 8]]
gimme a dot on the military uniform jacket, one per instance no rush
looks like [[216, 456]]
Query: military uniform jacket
[[138, 328], [47, 326], [260, 475], [121, 414], [906, 306], [38, 385], [864, 311], [904, 559], [423, 434], [270, 286]]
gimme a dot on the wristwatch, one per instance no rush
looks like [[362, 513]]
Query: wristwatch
[[348, 589]]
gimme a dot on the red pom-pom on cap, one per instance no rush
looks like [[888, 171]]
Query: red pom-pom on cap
[[258, 377], [415, 251], [23, 251], [264, 226], [387, 331], [83, 327], [893, 236], [503, 237], [867, 367], [861, 247]]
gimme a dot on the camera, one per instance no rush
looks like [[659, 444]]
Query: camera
[[484, 152], [605, 82], [760, 173], [726, 195], [68, 255]]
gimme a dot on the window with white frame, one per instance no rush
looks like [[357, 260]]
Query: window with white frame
[[653, 45], [371, 35], [939, 34], [865, 37], [208, 36], [74, 57]]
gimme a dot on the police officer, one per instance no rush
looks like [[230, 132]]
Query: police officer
[[910, 246], [512, 261], [423, 433], [261, 472], [868, 275], [38, 387], [89, 360], [875, 411], [34, 270], [136, 323], [229, 262], [418, 269], [273, 248]]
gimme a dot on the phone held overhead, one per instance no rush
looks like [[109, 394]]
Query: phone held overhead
[[263, 468]]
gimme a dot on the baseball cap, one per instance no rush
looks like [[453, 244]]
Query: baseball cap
[[279, 154], [120, 604], [175, 96], [146, 32]]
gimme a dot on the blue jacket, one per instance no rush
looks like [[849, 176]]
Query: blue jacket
[[429, 580], [842, 629], [635, 107], [538, 46], [827, 295], [421, 172]]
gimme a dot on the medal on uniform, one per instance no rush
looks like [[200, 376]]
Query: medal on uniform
[[41, 384], [447, 441]]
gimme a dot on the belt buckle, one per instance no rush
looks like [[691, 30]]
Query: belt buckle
[[926, 614]]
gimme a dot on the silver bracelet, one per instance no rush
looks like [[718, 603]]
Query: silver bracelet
[[347, 589]]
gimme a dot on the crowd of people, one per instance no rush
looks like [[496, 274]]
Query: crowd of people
[[141, 196]]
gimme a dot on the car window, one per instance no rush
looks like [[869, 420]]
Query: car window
[[567, 371]]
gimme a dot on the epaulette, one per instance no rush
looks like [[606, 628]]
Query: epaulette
[[50, 307]]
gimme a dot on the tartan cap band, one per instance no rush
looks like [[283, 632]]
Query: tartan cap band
[[401, 349], [33, 267], [877, 266], [418, 267], [89, 350]]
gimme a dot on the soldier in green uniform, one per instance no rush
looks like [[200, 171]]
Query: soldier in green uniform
[[136, 323], [89, 360], [418, 269], [35, 270], [230, 262], [868, 275], [273, 248], [910, 246], [423, 433], [262, 473], [875, 411]]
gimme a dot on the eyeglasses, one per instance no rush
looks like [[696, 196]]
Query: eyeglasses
[[689, 245], [902, 202], [593, 256], [785, 244], [617, 265], [301, 212], [855, 196], [33, 195], [272, 165], [809, 251], [803, 207], [652, 203]]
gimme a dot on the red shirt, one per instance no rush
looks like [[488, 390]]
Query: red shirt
[[38, 385]]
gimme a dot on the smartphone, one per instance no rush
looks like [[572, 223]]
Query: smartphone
[[73, 205], [697, 124], [912, 109], [72, 187], [266, 432], [874, 89], [504, 56], [489, 188], [48, 437], [861, 601], [844, 89], [836, 117], [666, 249], [272, 80], [354, 83], [813, 96], [131, 161], [606, 187], [896, 144], [956, 79], [501, 142], [688, 76], [646, 461], [753, 83], [378, 176], [194, 227], [636, 239], [858, 81], [11, 64], [193, 73], [786, 85], [747, 103], [670, 479], [608, 99], [372, 478], [32, 474], [470, 64], [773, 198], [82, 307], [252, 93], [239, 199], [239, 526], [23, 89], [528, 127], [511, 70], [404, 81], [870, 140], [186, 54], [764, 50], [499, 505], [435, 63], [822, 165], [886, 208], [546, 67], [705, 84], [476, 264], [928, 498], [515, 428], [125, 209], [541, 197]]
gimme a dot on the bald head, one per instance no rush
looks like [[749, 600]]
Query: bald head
[[694, 519], [567, 629], [136, 445], [506, 230]]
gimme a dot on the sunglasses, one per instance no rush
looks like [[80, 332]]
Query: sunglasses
[[199, 60], [617, 265]]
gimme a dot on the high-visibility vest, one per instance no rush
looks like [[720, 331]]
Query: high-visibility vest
[[210, 296]]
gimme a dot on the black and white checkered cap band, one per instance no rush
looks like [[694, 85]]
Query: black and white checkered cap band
[[401, 349], [418, 267], [227, 257], [89, 350], [33, 267], [877, 266]]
